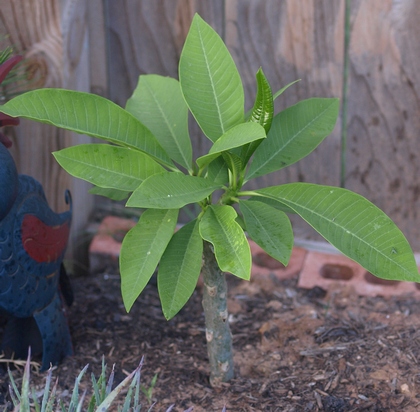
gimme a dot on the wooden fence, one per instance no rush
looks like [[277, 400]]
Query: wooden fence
[[290, 39], [52, 35]]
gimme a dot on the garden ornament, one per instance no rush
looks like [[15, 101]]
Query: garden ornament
[[33, 240]]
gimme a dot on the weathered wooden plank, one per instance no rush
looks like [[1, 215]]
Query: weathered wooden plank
[[97, 48], [292, 39], [76, 76], [147, 37], [54, 46], [384, 122], [42, 47]]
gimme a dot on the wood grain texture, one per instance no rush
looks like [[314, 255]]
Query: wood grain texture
[[292, 39], [51, 36], [34, 31], [76, 76], [296, 39], [146, 37], [384, 122], [97, 48]]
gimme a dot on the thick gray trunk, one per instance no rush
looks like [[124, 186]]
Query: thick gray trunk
[[218, 336]]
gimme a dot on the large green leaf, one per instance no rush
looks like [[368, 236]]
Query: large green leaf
[[219, 227], [88, 114], [179, 269], [171, 191], [142, 249], [353, 225], [159, 104], [210, 81], [236, 136], [108, 166], [295, 132], [270, 228]]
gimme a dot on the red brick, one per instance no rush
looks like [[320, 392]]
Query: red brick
[[265, 265], [105, 247], [330, 270]]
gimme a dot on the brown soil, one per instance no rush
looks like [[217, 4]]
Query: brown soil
[[295, 350]]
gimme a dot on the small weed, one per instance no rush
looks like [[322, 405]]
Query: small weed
[[148, 391]]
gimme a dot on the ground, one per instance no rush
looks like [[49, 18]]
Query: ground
[[295, 350]]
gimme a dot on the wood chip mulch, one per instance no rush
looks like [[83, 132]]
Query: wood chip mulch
[[295, 350]]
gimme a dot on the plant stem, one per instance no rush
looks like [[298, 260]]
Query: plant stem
[[218, 335]]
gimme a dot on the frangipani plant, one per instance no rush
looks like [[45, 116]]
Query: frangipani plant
[[151, 164]]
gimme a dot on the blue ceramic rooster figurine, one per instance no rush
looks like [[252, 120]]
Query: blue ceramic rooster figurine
[[33, 240]]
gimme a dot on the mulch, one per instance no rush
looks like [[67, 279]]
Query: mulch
[[295, 350]]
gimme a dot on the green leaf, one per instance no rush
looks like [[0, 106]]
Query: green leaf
[[295, 132], [142, 249], [171, 191], [280, 92], [263, 110], [180, 268], [113, 194], [231, 248], [233, 161], [273, 203], [159, 104], [234, 137], [210, 81], [353, 225], [262, 113], [88, 114], [108, 166], [270, 228], [218, 172], [277, 94]]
